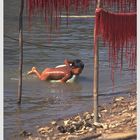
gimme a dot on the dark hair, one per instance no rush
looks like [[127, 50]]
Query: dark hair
[[78, 63]]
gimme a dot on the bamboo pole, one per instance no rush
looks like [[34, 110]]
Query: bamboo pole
[[96, 75], [20, 51]]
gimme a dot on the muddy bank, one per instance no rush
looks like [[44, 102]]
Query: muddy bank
[[117, 121]]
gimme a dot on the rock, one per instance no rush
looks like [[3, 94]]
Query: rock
[[88, 117], [115, 105], [101, 108], [105, 126], [87, 128], [132, 108], [77, 118], [54, 123], [25, 133], [85, 114], [132, 103], [81, 132], [48, 138], [104, 111], [98, 125], [126, 114], [54, 138], [83, 128], [66, 122], [88, 124], [61, 129], [99, 115], [133, 116], [79, 125], [73, 122], [124, 110], [125, 121], [45, 130], [63, 138], [84, 122], [91, 129], [71, 128], [92, 114], [113, 125], [117, 99]]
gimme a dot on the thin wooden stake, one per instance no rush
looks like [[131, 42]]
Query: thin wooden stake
[[21, 51], [96, 74]]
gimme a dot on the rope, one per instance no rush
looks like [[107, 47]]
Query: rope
[[26, 42], [30, 43], [35, 44]]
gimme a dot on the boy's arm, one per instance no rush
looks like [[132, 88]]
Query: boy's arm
[[65, 78], [67, 62]]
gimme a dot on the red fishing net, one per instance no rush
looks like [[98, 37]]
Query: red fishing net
[[52, 9], [118, 31]]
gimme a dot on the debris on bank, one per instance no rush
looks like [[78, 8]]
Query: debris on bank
[[118, 121]]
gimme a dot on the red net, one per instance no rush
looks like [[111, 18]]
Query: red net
[[52, 9], [118, 31]]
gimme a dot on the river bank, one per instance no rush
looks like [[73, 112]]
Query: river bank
[[117, 121]]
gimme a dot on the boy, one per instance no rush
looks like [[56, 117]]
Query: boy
[[62, 74]]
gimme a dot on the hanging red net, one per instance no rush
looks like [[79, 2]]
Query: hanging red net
[[52, 9], [118, 31]]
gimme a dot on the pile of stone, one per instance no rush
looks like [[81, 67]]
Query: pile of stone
[[118, 117], [78, 124]]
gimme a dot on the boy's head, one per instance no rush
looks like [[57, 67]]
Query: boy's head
[[78, 63], [78, 66]]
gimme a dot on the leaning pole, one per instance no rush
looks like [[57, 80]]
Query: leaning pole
[[96, 73], [20, 51]]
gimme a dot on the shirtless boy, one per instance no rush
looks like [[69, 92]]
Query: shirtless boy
[[62, 74]]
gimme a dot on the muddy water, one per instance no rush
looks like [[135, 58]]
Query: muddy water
[[42, 101]]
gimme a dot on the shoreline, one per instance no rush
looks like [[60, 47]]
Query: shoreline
[[117, 121]]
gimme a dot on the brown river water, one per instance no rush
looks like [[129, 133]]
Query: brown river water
[[42, 101]]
